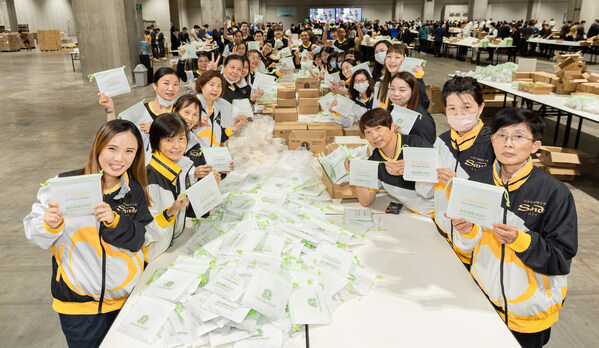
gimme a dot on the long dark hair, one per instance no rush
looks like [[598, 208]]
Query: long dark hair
[[397, 48], [352, 91], [377, 71], [413, 83]]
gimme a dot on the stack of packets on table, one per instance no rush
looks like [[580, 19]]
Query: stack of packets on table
[[272, 258], [334, 163], [495, 73]]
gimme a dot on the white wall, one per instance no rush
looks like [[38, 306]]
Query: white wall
[[159, 11], [412, 11], [507, 11], [553, 9], [42, 14]]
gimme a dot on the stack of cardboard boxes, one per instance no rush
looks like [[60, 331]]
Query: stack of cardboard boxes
[[10, 42], [434, 96], [560, 162], [49, 40], [344, 190]]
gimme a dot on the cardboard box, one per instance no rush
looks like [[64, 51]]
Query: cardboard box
[[571, 80], [518, 76], [535, 88], [308, 93], [308, 110], [338, 191], [286, 93], [283, 129], [307, 82], [559, 89], [562, 174], [594, 77], [314, 141], [10, 42], [559, 157], [269, 110], [285, 114], [349, 141], [325, 91], [332, 129], [49, 40], [307, 101], [496, 101], [524, 80], [434, 95], [354, 130], [286, 103]]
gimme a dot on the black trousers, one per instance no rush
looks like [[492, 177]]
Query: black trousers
[[86, 331], [155, 51], [422, 45], [533, 340], [438, 48]]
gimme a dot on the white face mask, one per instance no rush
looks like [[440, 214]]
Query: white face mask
[[361, 87], [163, 102], [463, 123], [380, 57]]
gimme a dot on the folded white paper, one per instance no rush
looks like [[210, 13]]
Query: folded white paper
[[76, 195], [267, 293], [364, 173], [344, 106], [171, 284], [204, 195], [264, 82], [405, 118], [308, 305], [112, 82], [218, 157], [326, 101], [241, 107], [420, 164], [475, 202], [330, 79]]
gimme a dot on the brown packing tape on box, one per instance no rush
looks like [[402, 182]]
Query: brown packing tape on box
[[283, 129], [314, 141], [286, 103], [308, 93], [560, 157], [285, 114], [286, 93]]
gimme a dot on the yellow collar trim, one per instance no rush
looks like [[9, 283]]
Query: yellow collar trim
[[118, 184], [517, 179], [341, 41], [465, 142], [397, 151], [170, 109], [167, 168], [306, 47]]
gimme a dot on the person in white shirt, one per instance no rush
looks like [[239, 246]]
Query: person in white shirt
[[492, 35], [468, 29]]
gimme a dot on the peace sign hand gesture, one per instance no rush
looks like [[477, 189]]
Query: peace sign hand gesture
[[213, 64]]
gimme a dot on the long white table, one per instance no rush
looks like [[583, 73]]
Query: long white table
[[555, 101], [568, 46], [426, 297]]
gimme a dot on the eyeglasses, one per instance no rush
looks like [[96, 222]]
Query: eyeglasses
[[516, 139]]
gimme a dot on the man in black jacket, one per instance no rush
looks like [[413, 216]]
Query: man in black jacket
[[594, 29]]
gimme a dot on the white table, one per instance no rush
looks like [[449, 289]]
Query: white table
[[552, 100], [426, 297], [592, 51]]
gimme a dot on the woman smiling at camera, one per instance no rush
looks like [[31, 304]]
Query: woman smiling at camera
[[521, 264]]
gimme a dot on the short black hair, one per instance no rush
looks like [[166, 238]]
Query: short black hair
[[162, 72], [462, 85], [375, 117], [512, 116], [184, 101], [166, 125], [196, 26], [204, 54], [232, 58], [184, 28]]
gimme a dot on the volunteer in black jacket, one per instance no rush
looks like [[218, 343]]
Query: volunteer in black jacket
[[521, 263], [377, 127]]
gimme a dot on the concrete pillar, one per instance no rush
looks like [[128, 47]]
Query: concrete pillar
[[121, 28], [213, 13], [254, 9], [477, 9], [533, 10], [574, 7], [12, 15], [398, 9], [241, 11], [263, 9], [175, 12], [428, 10]]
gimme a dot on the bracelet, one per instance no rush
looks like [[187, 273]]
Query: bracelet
[[109, 111]]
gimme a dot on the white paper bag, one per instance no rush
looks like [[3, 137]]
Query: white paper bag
[[344, 106], [190, 52], [171, 285], [420, 164], [410, 63], [204, 195], [139, 114], [285, 52], [146, 318], [361, 66], [264, 82], [253, 45], [308, 305], [241, 107], [267, 293], [227, 284], [475, 202], [334, 258], [228, 309], [258, 18], [287, 62], [405, 118], [364, 214], [330, 79], [218, 157], [76, 195], [112, 82], [364, 173], [326, 101]]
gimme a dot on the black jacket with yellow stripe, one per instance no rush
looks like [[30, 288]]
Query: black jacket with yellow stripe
[[94, 265], [525, 280]]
